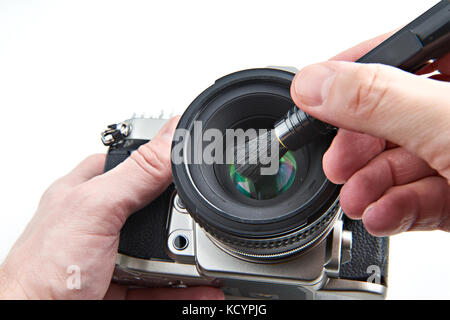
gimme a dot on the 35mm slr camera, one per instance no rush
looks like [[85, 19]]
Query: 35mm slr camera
[[283, 238]]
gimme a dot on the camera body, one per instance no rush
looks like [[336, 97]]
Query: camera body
[[166, 245]]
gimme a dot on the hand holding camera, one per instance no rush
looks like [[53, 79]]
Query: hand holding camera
[[69, 249], [393, 160]]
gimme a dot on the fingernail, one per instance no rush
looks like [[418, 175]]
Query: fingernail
[[375, 225], [369, 218], [368, 209], [167, 132], [312, 84]]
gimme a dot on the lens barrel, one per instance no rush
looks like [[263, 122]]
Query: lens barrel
[[260, 229]]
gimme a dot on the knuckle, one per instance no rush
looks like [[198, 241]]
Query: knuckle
[[154, 159], [82, 200], [79, 197], [95, 211], [53, 193], [96, 159], [371, 89], [444, 224], [50, 193], [440, 161]]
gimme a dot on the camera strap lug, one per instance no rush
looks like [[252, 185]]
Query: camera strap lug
[[340, 249], [115, 134]]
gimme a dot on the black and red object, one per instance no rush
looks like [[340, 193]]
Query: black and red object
[[425, 39]]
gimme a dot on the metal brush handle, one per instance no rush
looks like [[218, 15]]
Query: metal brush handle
[[297, 129]]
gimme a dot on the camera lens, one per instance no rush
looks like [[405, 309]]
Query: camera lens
[[271, 217], [267, 186]]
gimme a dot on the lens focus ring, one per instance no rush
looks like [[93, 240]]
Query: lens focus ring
[[277, 247]]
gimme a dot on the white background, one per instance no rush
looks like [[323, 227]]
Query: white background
[[69, 68]]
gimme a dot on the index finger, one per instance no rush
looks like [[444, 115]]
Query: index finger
[[361, 49], [350, 151]]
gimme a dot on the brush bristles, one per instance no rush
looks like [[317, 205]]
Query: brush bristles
[[248, 155]]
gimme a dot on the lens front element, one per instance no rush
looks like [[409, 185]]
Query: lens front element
[[267, 186]]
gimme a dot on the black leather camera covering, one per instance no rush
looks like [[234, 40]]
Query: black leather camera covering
[[367, 252], [144, 234]]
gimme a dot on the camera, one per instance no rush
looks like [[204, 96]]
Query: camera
[[281, 237]]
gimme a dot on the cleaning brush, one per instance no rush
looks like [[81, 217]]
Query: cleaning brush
[[292, 132], [424, 39]]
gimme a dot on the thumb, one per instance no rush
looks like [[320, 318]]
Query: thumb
[[141, 178], [411, 111]]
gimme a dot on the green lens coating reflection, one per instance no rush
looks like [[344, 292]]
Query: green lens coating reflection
[[267, 186]]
